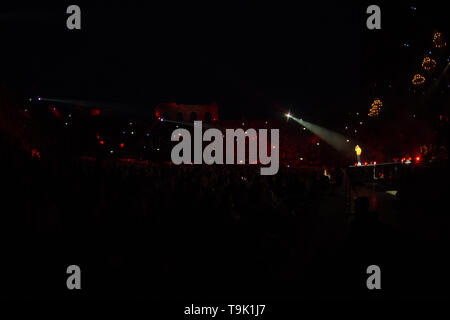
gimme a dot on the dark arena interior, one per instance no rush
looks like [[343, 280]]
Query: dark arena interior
[[94, 204]]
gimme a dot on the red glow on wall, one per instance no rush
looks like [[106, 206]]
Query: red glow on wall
[[55, 112], [95, 112]]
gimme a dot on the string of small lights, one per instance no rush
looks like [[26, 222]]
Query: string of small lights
[[418, 80], [428, 63], [376, 108], [439, 40]]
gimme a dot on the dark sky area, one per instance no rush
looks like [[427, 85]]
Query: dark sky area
[[248, 56]]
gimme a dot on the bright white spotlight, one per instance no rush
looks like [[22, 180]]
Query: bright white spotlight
[[288, 115]]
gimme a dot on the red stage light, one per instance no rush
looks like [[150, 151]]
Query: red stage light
[[35, 154], [121, 145], [101, 141], [417, 158]]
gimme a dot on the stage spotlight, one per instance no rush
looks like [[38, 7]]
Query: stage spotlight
[[336, 140]]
